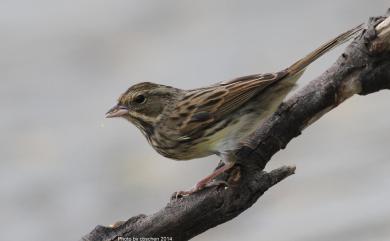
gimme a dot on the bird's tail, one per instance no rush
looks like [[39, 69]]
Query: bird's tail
[[301, 64]]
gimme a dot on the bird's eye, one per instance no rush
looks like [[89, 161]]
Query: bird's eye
[[139, 99]]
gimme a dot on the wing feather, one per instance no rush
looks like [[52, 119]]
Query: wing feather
[[207, 106]]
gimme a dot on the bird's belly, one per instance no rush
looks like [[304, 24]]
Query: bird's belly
[[222, 137], [246, 120], [229, 138], [227, 135]]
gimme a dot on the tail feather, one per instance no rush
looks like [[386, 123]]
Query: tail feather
[[301, 64]]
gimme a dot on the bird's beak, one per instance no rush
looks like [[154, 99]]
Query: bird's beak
[[117, 111]]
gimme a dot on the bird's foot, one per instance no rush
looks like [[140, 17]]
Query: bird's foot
[[200, 186], [207, 181]]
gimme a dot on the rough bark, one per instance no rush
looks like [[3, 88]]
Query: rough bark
[[362, 69]]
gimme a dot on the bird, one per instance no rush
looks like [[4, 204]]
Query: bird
[[214, 120]]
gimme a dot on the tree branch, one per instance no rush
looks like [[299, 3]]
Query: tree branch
[[362, 69]]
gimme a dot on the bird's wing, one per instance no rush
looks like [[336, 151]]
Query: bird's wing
[[201, 108], [204, 107]]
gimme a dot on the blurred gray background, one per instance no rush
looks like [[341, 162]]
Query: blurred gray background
[[65, 169]]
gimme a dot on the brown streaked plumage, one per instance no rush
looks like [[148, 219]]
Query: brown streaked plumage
[[187, 124]]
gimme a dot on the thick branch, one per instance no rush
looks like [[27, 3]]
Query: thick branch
[[362, 69]]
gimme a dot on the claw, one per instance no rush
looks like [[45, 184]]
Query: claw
[[199, 186], [180, 194]]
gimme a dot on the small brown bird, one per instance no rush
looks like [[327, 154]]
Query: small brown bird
[[187, 124]]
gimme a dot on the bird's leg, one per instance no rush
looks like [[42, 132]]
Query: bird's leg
[[207, 180]]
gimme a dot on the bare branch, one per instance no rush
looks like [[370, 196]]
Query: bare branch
[[362, 69]]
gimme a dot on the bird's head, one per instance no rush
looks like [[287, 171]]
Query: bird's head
[[143, 103]]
